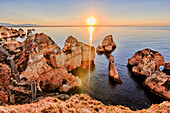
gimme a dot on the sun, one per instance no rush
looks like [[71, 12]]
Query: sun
[[91, 21]]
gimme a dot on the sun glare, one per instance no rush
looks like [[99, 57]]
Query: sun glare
[[91, 21]]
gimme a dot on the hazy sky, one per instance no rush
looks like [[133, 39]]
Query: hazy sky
[[76, 12]]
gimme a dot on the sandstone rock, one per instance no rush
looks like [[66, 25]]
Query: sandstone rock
[[4, 32], [21, 32], [159, 83], [138, 57], [146, 63], [29, 33], [79, 104], [77, 54], [113, 71], [44, 62], [108, 45]]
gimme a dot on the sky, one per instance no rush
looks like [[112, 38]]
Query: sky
[[76, 12]]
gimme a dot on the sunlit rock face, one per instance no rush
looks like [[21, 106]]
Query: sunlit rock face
[[79, 104], [113, 71], [146, 63], [77, 53], [45, 64], [159, 82], [108, 45]]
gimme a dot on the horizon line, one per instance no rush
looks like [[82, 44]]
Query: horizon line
[[20, 25]]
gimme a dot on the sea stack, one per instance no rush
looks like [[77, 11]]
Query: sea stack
[[113, 71], [108, 45]]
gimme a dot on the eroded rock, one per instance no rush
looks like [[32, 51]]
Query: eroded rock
[[146, 63], [113, 71], [108, 45]]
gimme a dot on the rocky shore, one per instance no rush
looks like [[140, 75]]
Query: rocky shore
[[78, 104], [38, 59], [146, 63]]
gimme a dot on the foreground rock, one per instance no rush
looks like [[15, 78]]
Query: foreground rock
[[146, 63], [78, 104], [159, 83], [108, 45], [113, 71]]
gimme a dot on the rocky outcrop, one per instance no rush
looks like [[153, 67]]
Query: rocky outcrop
[[79, 104], [159, 83], [29, 33], [44, 62], [146, 63], [77, 53], [113, 71], [7, 33], [108, 45], [21, 32]]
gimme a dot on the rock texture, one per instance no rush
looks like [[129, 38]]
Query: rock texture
[[78, 104], [146, 63], [21, 32], [108, 45], [45, 63], [77, 53], [113, 71]]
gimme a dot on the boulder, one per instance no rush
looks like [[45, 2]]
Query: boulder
[[113, 71], [108, 45]]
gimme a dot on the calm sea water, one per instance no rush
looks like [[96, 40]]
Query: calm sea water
[[128, 40]]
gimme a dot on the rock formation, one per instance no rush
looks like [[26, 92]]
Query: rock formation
[[113, 71], [167, 67], [29, 33], [39, 59], [108, 45], [79, 104], [77, 53], [21, 32], [146, 63]]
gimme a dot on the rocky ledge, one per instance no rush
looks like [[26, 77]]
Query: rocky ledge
[[78, 104], [113, 71], [108, 45], [146, 63], [38, 59]]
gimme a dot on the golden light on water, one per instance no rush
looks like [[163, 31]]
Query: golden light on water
[[91, 21]]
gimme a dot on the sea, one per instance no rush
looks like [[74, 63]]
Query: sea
[[131, 92]]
